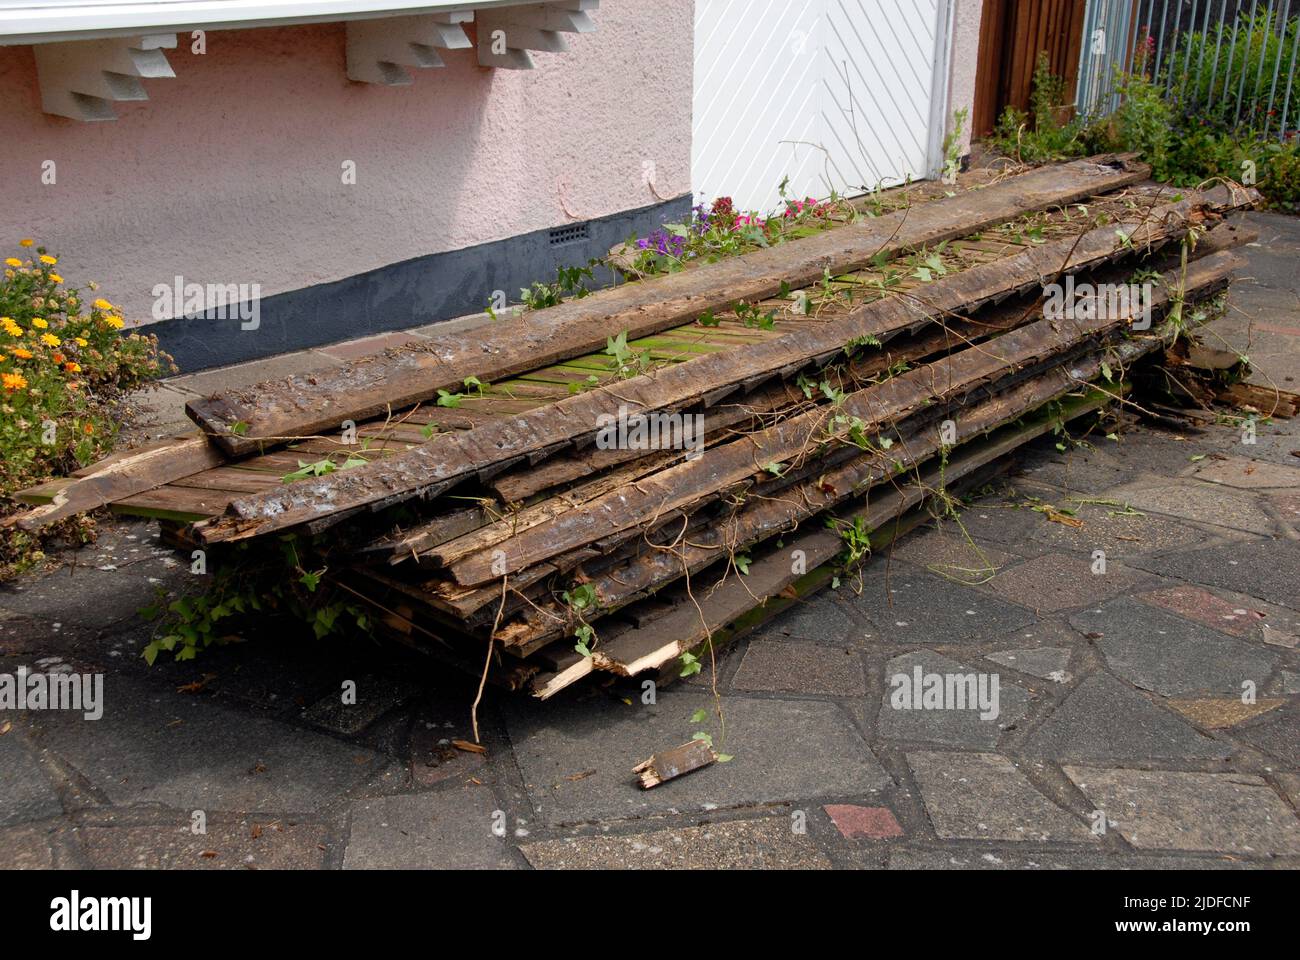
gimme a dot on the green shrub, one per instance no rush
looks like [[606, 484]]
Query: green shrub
[[1205, 73]]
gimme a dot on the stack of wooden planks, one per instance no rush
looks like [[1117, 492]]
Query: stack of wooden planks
[[609, 485]]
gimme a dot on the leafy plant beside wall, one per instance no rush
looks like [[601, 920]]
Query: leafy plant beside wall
[[1183, 148], [65, 366]]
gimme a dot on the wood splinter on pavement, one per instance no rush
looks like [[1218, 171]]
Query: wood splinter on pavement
[[674, 763]]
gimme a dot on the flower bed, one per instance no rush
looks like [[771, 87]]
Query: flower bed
[[65, 364]]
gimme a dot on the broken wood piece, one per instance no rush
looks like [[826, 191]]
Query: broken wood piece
[[670, 764], [450, 458], [320, 401]]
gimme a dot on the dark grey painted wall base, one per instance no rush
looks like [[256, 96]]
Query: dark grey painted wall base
[[412, 293]]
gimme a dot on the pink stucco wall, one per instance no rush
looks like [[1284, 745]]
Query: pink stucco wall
[[231, 172]]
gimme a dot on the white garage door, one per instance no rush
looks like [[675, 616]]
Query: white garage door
[[842, 95]]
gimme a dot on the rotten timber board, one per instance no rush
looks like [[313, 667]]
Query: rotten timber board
[[319, 401], [651, 648], [449, 458], [681, 485]]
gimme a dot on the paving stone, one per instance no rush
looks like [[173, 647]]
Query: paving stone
[[1246, 474], [155, 412], [817, 619], [767, 844], [242, 375], [1216, 713], [1290, 783], [247, 844], [863, 823], [922, 608], [26, 793], [449, 829], [783, 750], [1277, 733], [1118, 533], [1225, 812], [1287, 504], [374, 696], [949, 726], [1194, 603], [158, 746], [1268, 569], [1078, 469], [1047, 663], [434, 759], [108, 581], [983, 796], [1193, 500], [369, 346], [1103, 719], [998, 859], [1159, 454], [801, 667], [1157, 651], [27, 847], [996, 520], [949, 555], [1059, 581], [1290, 682]]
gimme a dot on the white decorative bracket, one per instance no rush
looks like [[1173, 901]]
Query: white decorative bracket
[[378, 50], [81, 78], [506, 34]]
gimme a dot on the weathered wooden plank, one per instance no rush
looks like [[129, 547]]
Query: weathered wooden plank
[[125, 475], [652, 647], [312, 403], [682, 485], [446, 458]]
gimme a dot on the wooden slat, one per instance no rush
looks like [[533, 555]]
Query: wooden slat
[[447, 458], [125, 475], [681, 486], [310, 404]]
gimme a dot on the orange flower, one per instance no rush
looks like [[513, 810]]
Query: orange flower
[[59, 358], [72, 366], [25, 242], [13, 381], [88, 429], [22, 353]]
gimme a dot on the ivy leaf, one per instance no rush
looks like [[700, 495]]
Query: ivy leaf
[[742, 563], [699, 716]]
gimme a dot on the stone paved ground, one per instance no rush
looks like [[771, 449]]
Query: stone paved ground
[[1121, 739]]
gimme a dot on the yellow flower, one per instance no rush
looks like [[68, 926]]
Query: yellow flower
[[82, 341], [56, 278], [22, 353], [50, 340], [10, 327], [102, 304], [25, 242], [13, 381], [13, 262], [114, 321], [39, 323], [47, 259]]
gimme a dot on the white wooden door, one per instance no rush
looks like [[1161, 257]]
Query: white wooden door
[[842, 95]]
